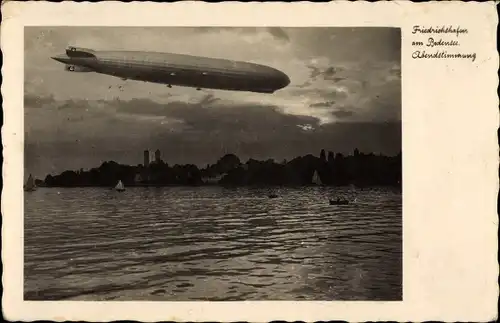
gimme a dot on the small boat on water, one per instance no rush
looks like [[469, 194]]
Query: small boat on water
[[30, 184], [120, 187], [272, 196], [339, 202]]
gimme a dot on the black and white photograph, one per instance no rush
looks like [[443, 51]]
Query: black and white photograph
[[212, 164]]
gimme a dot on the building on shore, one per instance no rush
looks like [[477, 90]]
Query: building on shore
[[157, 156], [146, 158], [212, 179]]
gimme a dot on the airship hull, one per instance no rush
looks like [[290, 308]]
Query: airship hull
[[180, 70]]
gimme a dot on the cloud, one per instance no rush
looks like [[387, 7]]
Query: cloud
[[306, 127], [323, 104], [279, 33], [341, 113], [327, 74], [370, 91], [207, 116]]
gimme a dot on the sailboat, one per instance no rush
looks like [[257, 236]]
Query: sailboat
[[138, 179], [119, 187], [316, 179], [30, 184]]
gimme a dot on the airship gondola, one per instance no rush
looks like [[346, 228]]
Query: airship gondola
[[176, 69]]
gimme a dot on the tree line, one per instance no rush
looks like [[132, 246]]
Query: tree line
[[333, 169]]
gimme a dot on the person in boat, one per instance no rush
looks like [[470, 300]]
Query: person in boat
[[339, 201]]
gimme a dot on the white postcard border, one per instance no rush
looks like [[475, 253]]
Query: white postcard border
[[450, 160]]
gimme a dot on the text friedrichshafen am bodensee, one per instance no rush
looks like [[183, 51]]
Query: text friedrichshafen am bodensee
[[435, 44]]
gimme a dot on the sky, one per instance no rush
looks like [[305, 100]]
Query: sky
[[345, 93]]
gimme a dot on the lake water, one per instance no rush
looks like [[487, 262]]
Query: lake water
[[211, 243]]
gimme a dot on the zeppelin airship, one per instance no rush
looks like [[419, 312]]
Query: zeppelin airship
[[176, 69]]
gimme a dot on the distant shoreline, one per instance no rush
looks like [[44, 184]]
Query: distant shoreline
[[329, 169]]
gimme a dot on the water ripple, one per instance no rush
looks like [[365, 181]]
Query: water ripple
[[211, 244]]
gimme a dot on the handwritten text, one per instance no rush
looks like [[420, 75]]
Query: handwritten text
[[437, 46]]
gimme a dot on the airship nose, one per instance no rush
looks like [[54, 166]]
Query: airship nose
[[284, 80], [61, 58]]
